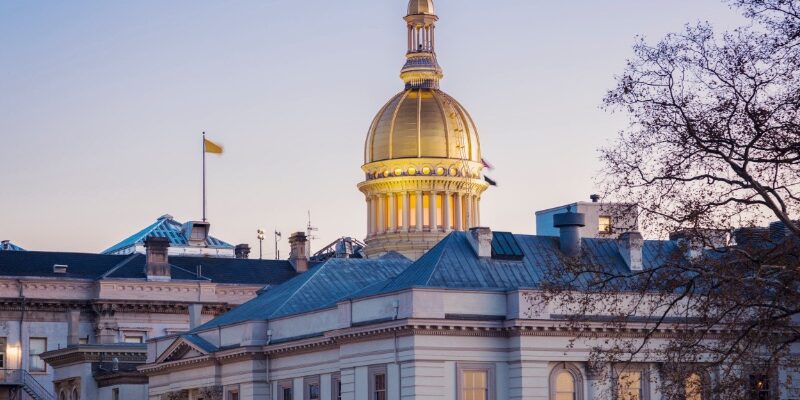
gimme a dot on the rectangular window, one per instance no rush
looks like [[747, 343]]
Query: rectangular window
[[377, 383], [439, 201], [336, 387], [2, 353], [83, 340], [604, 224], [426, 210], [412, 205], [759, 387], [312, 391], [400, 210], [233, 395], [134, 339], [629, 386], [285, 391], [475, 381], [115, 394], [452, 211], [36, 346]]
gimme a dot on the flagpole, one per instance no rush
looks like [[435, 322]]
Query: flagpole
[[204, 177]]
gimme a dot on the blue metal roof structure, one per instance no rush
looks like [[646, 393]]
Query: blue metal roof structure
[[517, 262], [6, 245], [320, 287], [165, 227]]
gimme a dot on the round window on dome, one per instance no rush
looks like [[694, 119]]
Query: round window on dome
[[440, 171], [453, 172], [386, 173], [426, 171], [398, 172], [412, 171]]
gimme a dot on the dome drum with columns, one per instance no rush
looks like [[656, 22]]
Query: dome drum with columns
[[422, 159]]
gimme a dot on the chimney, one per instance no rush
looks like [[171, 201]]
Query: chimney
[[344, 247], [242, 250], [481, 240], [157, 264], [195, 315], [297, 254], [630, 246], [73, 323], [595, 198], [569, 224]]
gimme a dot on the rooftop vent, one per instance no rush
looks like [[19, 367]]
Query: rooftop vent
[[59, 269]]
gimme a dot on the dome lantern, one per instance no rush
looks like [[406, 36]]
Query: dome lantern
[[422, 155]]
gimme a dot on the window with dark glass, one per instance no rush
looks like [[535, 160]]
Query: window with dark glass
[[2, 352], [336, 387], [379, 388]]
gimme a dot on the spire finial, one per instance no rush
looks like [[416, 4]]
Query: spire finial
[[421, 69]]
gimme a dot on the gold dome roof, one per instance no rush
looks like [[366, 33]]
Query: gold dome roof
[[422, 123], [417, 7]]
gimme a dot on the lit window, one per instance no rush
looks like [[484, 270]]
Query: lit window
[[694, 387], [629, 386], [36, 346], [453, 172], [426, 171], [440, 171], [759, 387], [134, 339], [474, 385], [386, 173], [398, 172], [565, 386], [412, 171], [604, 224]]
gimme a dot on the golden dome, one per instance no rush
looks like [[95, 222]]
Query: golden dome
[[422, 123], [417, 7]]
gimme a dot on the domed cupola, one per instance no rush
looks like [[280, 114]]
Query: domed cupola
[[422, 156]]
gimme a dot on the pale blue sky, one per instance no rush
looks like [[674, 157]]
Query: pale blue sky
[[102, 104]]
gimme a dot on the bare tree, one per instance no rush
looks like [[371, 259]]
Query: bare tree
[[714, 144]]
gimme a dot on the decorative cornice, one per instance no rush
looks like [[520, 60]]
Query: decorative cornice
[[96, 353]]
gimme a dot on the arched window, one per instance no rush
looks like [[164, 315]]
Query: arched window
[[62, 395], [75, 395], [566, 382], [693, 387]]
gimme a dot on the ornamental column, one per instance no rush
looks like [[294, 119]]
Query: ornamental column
[[468, 207], [419, 211], [369, 216], [432, 209], [406, 212], [459, 212], [392, 212], [477, 210], [380, 214], [446, 211]]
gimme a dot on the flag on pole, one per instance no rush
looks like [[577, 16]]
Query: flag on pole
[[211, 147], [486, 164], [490, 181]]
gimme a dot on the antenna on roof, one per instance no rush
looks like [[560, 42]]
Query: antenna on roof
[[310, 228]]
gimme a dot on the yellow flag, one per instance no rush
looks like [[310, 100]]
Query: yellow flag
[[211, 147]]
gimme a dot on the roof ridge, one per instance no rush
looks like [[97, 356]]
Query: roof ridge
[[127, 240], [447, 238]]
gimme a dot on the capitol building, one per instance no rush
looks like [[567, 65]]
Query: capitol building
[[433, 305]]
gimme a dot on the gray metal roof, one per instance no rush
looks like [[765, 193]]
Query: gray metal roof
[[453, 263], [165, 227], [321, 287]]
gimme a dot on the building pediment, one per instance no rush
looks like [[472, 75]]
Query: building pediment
[[185, 348]]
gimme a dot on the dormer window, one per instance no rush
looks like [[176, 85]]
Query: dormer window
[[604, 224]]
